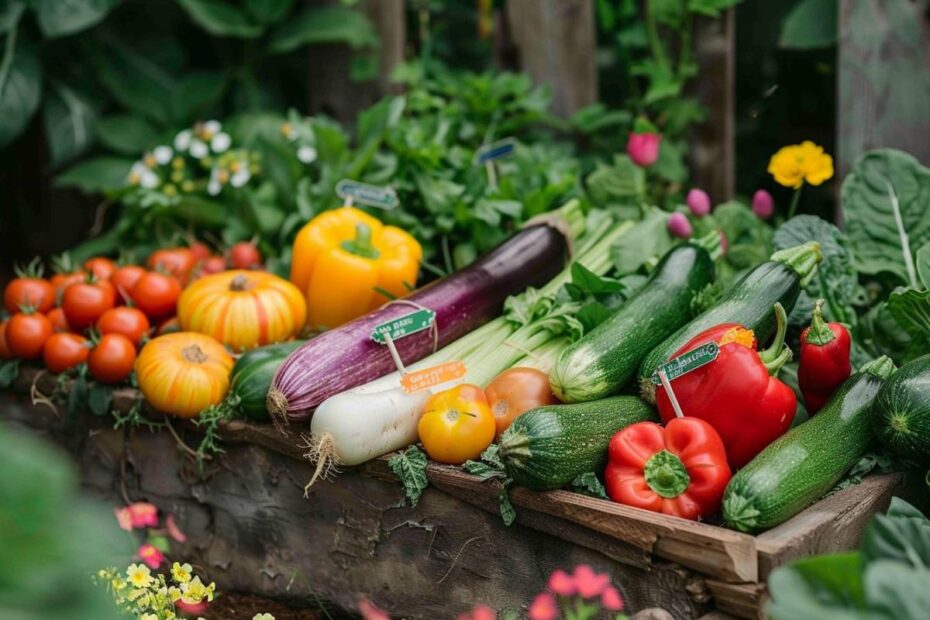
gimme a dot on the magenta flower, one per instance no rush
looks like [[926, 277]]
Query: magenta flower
[[610, 599], [588, 582], [369, 611], [698, 201], [561, 583], [543, 607], [173, 530], [643, 148], [762, 204], [679, 226], [480, 612], [137, 516], [151, 555]]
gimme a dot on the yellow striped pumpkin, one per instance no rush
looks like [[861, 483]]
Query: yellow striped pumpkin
[[243, 309]]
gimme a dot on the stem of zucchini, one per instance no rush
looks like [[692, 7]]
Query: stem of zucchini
[[778, 353], [802, 259]]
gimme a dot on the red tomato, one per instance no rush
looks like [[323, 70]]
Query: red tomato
[[179, 262], [244, 255], [29, 292], [84, 302], [213, 264], [169, 326], [112, 359], [58, 320], [65, 351], [130, 322], [26, 334], [124, 279], [156, 294], [100, 266], [201, 251], [5, 353], [61, 281], [514, 392]]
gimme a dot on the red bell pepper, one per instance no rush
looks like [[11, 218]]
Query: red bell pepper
[[824, 361], [678, 470], [736, 393]]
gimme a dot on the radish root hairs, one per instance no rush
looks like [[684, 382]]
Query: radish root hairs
[[322, 451]]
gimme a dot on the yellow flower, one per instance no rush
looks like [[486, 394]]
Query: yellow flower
[[148, 617], [181, 572], [194, 591], [263, 617], [139, 575], [793, 165], [174, 594]]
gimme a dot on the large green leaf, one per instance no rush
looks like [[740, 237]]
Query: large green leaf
[[10, 12], [196, 94], [897, 591], [127, 134], [810, 24], [647, 240], [221, 18], [711, 8], [902, 535], [333, 24], [69, 123], [200, 211], [827, 586], [96, 175], [137, 82], [923, 265], [20, 89], [62, 17], [885, 201], [268, 11]]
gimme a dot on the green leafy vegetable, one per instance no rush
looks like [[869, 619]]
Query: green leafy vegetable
[[589, 484], [410, 468], [645, 242]]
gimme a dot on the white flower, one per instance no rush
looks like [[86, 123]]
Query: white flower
[[306, 154], [220, 142], [163, 154], [241, 177], [214, 188], [199, 149], [143, 176], [211, 128], [182, 141]]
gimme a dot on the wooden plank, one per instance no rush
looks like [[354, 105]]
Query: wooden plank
[[556, 43], [884, 84], [713, 152], [836, 523], [742, 600]]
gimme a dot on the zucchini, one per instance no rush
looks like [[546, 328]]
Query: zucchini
[[251, 376], [606, 358], [748, 302], [901, 413], [799, 467], [548, 447]]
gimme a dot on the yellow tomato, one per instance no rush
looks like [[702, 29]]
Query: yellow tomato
[[457, 425]]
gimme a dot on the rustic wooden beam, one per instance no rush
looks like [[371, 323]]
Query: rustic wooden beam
[[742, 600]]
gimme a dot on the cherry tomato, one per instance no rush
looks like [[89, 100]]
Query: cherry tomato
[[61, 281], [29, 292], [156, 294], [514, 392], [65, 351], [130, 322], [124, 278], [112, 359], [59, 322], [179, 262], [26, 334], [5, 353], [84, 302], [244, 255], [100, 266], [213, 264], [169, 326], [201, 251]]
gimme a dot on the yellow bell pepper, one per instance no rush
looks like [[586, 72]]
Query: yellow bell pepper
[[345, 260]]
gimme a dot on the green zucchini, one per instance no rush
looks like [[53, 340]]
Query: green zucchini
[[799, 467], [748, 302], [902, 412], [606, 358], [251, 376], [548, 447]]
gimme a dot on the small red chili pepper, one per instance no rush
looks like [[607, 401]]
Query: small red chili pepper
[[736, 393], [678, 470], [824, 361]]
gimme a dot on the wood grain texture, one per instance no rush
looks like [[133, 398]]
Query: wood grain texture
[[884, 82], [742, 600]]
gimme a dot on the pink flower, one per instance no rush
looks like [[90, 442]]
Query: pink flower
[[724, 242], [369, 612], [679, 226], [137, 516], [762, 204], [698, 201], [589, 583], [561, 583], [173, 530], [151, 555], [191, 609], [480, 612], [124, 518], [543, 607], [643, 148], [610, 599]]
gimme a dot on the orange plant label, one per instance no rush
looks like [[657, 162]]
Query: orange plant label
[[428, 377]]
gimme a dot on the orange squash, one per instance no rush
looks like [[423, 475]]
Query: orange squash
[[183, 373], [243, 309]]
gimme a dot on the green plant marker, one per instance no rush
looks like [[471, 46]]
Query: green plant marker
[[405, 325], [687, 361], [365, 194]]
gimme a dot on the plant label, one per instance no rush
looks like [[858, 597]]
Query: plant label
[[433, 376], [370, 195], [405, 325], [687, 361], [495, 150]]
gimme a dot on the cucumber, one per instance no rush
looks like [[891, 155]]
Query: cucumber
[[799, 467], [748, 302], [548, 447], [901, 412], [251, 376], [606, 358]]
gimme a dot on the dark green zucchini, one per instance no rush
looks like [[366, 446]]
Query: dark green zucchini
[[548, 447], [605, 359], [799, 467], [251, 376], [748, 302], [901, 412]]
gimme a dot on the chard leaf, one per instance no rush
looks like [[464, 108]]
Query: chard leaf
[[648, 239], [589, 484], [923, 265], [911, 309], [620, 185], [828, 586], [897, 591], [410, 468], [901, 535]]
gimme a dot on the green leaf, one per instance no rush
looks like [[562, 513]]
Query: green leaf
[[646, 240], [508, 514], [332, 24], [69, 121], [711, 8], [136, 81], [20, 88], [220, 18], [196, 95], [62, 17], [671, 12], [671, 162], [77, 397], [884, 208], [10, 12], [410, 468], [127, 134], [268, 11], [96, 175], [200, 211], [621, 184], [911, 309], [828, 586], [901, 535], [592, 284], [589, 484], [592, 315], [922, 260], [811, 24], [482, 470], [897, 591], [99, 399], [9, 370]]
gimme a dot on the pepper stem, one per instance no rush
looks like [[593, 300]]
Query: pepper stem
[[778, 354], [666, 474], [819, 333], [361, 245]]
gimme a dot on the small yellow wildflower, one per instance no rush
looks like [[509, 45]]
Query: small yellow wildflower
[[139, 575], [287, 130], [195, 591], [177, 163], [796, 164], [148, 617], [263, 617], [181, 572], [170, 190], [174, 594]]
